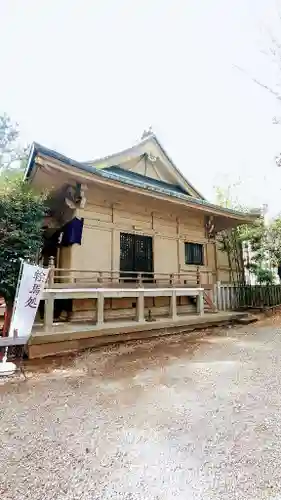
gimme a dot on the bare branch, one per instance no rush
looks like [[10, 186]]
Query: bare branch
[[258, 82]]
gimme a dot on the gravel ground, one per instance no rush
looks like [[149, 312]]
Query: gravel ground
[[171, 418]]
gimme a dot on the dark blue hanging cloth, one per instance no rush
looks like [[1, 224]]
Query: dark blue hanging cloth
[[72, 232]]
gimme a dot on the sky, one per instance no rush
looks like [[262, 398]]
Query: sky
[[86, 77]]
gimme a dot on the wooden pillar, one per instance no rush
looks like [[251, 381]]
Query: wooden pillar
[[49, 312], [198, 276], [200, 303], [139, 280], [112, 263], [140, 307], [219, 292], [49, 302], [216, 259], [178, 245], [51, 276], [215, 295], [100, 308], [112, 250], [173, 305]]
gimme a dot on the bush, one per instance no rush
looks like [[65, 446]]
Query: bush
[[21, 220]]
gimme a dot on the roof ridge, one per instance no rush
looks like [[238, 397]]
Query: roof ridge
[[148, 138], [105, 173], [122, 151], [129, 173]]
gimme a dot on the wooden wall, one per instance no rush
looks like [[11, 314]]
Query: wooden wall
[[104, 219], [106, 216]]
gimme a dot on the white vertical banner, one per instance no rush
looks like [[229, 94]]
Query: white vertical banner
[[29, 293]]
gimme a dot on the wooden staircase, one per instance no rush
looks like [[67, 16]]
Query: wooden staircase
[[209, 305]]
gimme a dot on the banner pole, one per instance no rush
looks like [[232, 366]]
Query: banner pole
[[16, 295], [4, 360], [29, 290]]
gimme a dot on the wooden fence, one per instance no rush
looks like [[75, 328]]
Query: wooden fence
[[233, 297]]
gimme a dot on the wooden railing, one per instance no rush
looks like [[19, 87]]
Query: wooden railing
[[233, 297], [123, 279]]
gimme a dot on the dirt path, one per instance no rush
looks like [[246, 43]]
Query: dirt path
[[171, 418]]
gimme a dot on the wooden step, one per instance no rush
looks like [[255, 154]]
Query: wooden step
[[208, 303]]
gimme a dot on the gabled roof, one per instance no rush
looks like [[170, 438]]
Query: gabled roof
[[146, 181], [150, 139], [122, 176]]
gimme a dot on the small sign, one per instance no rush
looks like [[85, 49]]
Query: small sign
[[30, 290]]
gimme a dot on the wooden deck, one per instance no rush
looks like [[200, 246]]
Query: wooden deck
[[100, 294], [70, 337], [51, 338]]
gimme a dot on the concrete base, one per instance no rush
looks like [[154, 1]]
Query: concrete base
[[70, 337]]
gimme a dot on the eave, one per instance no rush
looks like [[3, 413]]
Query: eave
[[88, 173]]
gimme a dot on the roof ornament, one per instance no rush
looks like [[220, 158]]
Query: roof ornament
[[147, 133], [210, 227], [75, 196], [151, 158]]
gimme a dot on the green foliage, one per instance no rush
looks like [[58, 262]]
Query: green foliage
[[230, 241], [274, 241], [254, 233], [10, 175], [12, 155], [255, 236], [263, 240], [225, 197], [21, 218], [263, 275]]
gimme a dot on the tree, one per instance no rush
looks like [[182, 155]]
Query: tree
[[263, 276], [274, 241], [250, 237], [265, 242], [272, 52], [12, 156], [21, 237], [261, 242], [230, 241]]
